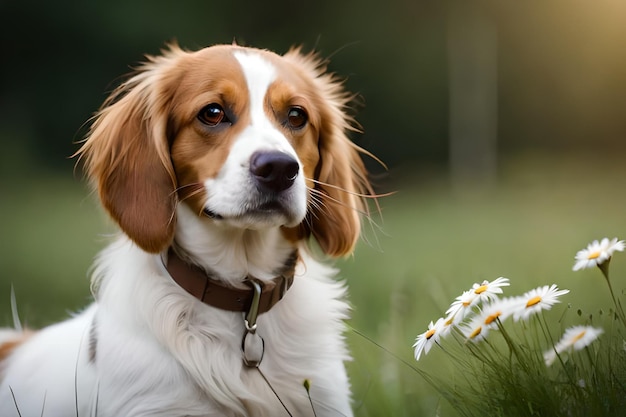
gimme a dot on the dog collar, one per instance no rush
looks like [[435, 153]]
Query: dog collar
[[258, 298], [209, 290]]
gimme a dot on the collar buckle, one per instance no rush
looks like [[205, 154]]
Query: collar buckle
[[253, 344]]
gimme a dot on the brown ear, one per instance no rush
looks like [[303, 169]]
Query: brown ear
[[126, 155], [341, 183]]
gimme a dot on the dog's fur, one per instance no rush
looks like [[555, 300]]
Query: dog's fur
[[172, 154]]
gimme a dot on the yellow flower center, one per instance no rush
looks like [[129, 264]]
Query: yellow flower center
[[476, 332], [578, 336], [594, 255], [490, 319], [449, 321], [466, 303], [430, 334], [480, 289], [533, 301]]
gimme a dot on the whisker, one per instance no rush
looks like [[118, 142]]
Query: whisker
[[317, 203], [354, 193], [365, 212], [371, 195], [172, 216], [375, 243], [321, 209], [197, 188], [193, 193]]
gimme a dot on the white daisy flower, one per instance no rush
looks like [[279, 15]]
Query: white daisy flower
[[484, 292], [446, 326], [597, 252], [426, 340], [476, 330], [574, 338], [461, 306], [499, 309], [578, 337], [489, 290], [534, 301]]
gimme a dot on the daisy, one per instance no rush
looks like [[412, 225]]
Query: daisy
[[578, 337], [489, 290], [476, 330], [574, 338], [597, 252], [426, 340], [534, 301], [446, 326], [499, 309], [461, 306]]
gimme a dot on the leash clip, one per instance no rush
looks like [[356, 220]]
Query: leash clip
[[253, 345]]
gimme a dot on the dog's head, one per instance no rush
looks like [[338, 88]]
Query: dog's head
[[245, 137]]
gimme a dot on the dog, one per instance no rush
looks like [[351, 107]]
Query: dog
[[231, 176]]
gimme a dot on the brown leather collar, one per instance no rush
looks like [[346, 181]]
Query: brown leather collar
[[215, 293]]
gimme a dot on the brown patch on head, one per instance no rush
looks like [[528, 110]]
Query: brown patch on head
[[338, 175], [146, 145], [213, 80]]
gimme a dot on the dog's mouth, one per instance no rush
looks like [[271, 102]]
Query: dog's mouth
[[270, 207], [211, 214], [262, 212]]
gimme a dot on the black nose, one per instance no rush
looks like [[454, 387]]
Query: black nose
[[274, 171]]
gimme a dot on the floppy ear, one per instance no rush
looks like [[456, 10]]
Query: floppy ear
[[126, 156], [341, 183]]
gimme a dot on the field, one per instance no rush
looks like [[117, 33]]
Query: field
[[433, 241]]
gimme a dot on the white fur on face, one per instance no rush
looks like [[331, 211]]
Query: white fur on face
[[233, 194]]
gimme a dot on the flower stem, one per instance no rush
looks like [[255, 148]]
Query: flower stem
[[604, 267]]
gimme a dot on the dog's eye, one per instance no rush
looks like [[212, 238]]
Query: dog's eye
[[212, 115], [297, 118]]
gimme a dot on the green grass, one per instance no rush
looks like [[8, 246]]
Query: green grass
[[51, 230], [437, 242], [434, 241]]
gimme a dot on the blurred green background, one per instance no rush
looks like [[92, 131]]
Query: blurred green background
[[502, 125]]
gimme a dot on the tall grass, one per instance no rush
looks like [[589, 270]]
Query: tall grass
[[438, 240], [435, 240]]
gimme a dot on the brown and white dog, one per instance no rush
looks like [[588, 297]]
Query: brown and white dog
[[220, 167]]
